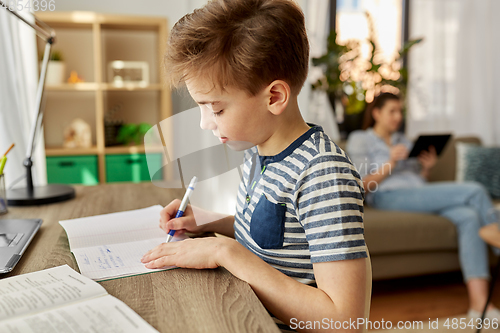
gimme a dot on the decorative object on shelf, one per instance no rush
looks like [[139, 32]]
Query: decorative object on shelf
[[354, 81], [78, 135], [128, 73], [112, 125], [133, 133], [74, 78], [56, 72]]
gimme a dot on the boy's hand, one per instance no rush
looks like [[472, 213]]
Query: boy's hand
[[182, 224], [197, 253]]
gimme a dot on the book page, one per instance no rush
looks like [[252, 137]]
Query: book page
[[117, 260], [42, 290], [102, 314], [122, 227]]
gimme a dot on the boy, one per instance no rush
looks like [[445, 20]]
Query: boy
[[299, 218]]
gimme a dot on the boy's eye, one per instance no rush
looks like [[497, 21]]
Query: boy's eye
[[218, 113]]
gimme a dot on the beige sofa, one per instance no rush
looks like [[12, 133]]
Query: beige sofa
[[406, 244]]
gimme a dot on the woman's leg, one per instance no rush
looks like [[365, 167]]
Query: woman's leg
[[436, 197], [473, 254], [472, 251], [469, 207], [478, 294]]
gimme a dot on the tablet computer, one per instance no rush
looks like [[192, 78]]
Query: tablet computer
[[425, 141], [15, 236]]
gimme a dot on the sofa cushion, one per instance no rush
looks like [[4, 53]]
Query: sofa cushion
[[400, 232], [479, 164], [445, 168]]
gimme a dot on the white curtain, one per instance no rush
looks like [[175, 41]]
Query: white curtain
[[453, 83], [18, 83], [319, 111], [477, 108], [432, 63]]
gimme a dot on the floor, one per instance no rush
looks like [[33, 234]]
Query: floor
[[421, 298]]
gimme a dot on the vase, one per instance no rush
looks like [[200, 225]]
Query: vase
[[56, 73]]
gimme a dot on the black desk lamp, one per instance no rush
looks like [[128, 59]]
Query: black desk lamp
[[51, 193]]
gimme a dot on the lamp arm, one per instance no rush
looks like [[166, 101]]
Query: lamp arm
[[40, 31], [39, 99]]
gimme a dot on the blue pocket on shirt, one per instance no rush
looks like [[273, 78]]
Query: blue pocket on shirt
[[267, 226]]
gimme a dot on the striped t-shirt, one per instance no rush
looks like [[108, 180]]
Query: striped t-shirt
[[302, 206]]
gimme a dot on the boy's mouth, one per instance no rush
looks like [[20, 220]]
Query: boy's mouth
[[223, 139]]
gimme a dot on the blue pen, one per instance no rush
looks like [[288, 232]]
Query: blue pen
[[183, 205]]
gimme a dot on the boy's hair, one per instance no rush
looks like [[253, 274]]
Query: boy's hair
[[246, 44]]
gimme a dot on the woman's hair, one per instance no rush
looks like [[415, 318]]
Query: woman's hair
[[241, 43], [378, 103]]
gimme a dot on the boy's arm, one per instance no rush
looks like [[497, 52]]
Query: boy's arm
[[340, 296], [214, 222], [223, 226]]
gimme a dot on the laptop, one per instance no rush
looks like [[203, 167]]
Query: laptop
[[15, 236]]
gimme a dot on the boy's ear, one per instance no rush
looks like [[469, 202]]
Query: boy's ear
[[278, 94]]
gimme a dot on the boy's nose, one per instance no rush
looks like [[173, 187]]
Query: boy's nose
[[207, 120]]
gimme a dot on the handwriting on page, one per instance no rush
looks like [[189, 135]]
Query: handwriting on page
[[114, 260]]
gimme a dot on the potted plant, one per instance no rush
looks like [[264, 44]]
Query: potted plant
[[56, 70], [129, 133], [354, 81]]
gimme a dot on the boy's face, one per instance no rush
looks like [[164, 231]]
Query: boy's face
[[236, 118]]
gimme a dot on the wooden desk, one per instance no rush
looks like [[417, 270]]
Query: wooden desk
[[180, 300]]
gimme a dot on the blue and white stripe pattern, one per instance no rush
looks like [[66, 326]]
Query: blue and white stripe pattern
[[323, 195]]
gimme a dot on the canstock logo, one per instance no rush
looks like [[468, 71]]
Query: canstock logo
[[178, 149]]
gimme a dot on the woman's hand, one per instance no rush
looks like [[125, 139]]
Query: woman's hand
[[197, 253], [185, 223], [398, 153], [428, 158]]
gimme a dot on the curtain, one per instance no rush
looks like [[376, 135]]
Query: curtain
[[453, 73], [431, 66], [18, 83], [319, 110], [477, 108]]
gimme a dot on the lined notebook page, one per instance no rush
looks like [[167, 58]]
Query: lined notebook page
[[116, 260], [112, 245], [122, 227]]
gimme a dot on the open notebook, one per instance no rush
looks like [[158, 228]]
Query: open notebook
[[112, 245], [61, 300]]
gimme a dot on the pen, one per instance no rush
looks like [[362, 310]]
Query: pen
[[3, 160], [183, 205]]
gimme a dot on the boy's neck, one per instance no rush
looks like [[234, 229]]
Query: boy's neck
[[287, 131]]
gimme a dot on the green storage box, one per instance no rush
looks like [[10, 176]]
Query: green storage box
[[131, 167], [72, 170]]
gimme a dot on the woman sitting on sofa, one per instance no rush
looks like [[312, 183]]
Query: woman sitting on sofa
[[395, 182]]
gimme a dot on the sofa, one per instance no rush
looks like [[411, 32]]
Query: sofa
[[403, 244]]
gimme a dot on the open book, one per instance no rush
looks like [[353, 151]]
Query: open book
[[61, 300], [112, 245]]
